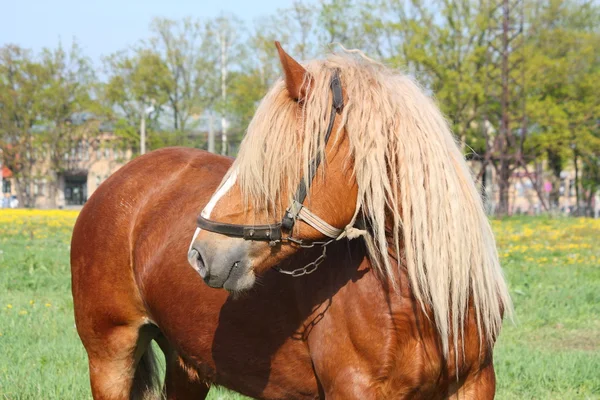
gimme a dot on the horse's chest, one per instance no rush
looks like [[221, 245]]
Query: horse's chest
[[351, 335], [362, 339]]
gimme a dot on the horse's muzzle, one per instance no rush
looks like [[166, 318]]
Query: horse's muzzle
[[196, 261], [222, 263]]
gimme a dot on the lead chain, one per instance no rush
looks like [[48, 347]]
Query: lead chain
[[308, 268]]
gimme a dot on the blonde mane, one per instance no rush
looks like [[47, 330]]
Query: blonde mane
[[411, 176]]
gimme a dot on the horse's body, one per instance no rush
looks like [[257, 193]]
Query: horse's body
[[338, 333], [407, 304]]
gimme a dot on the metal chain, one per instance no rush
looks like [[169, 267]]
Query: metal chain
[[306, 245], [311, 266]]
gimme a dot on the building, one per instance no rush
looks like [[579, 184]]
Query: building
[[88, 165]]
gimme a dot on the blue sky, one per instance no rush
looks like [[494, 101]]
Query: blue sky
[[102, 27]]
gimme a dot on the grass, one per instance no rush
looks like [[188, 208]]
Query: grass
[[552, 352]]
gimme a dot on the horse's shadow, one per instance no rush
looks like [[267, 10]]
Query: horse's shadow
[[253, 326]]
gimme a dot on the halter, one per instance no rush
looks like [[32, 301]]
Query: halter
[[273, 233]]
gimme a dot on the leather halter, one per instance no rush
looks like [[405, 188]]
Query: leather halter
[[273, 233]]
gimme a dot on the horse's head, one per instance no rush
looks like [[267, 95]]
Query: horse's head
[[388, 153], [291, 187]]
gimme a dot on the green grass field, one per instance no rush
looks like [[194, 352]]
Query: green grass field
[[552, 352]]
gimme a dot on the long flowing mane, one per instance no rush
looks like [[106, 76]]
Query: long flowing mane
[[411, 177]]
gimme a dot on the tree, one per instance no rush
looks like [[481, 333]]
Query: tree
[[227, 29], [175, 70], [135, 81], [187, 49], [517, 80], [39, 99], [65, 93], [20, 105], [339, 21], [506, 96], [563, 100]]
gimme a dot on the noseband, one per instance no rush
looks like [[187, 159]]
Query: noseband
[[273, 233]]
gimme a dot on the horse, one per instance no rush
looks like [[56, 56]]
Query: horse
[[344, 254]]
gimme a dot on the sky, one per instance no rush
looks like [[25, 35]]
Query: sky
[[103, 27]]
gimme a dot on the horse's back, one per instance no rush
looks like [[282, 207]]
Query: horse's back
[[142, 192], [107, 225]]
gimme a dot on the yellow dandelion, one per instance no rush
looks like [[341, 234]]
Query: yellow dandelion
[[22, 312], [48, 305], [9, 306], [31, 302]]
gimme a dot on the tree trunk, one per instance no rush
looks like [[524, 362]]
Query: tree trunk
[[503, 189], [589, 209], [20, 189], [575, 159], [52, 190]]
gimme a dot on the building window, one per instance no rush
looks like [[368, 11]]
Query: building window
[[107, 153], [5, 186], [41, 188], [98, 154], [98, 180]]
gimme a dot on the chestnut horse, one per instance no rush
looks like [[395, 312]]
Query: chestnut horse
[[349, 177]]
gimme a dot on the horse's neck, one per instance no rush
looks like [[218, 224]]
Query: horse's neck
[[347, 270], [346, 298]]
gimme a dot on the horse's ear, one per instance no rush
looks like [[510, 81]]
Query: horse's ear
[[295, 74]]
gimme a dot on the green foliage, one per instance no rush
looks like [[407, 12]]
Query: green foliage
[[66, 92], [39, 97], [191, 68], [563, 101], [135, 80], [245, 93], [563, 73], [20, 106]]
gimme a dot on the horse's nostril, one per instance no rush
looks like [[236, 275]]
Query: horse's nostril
[[196, 261]]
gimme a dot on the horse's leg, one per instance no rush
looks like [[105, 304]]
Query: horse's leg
[[121, 362], [182, 382], [113, 326]]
